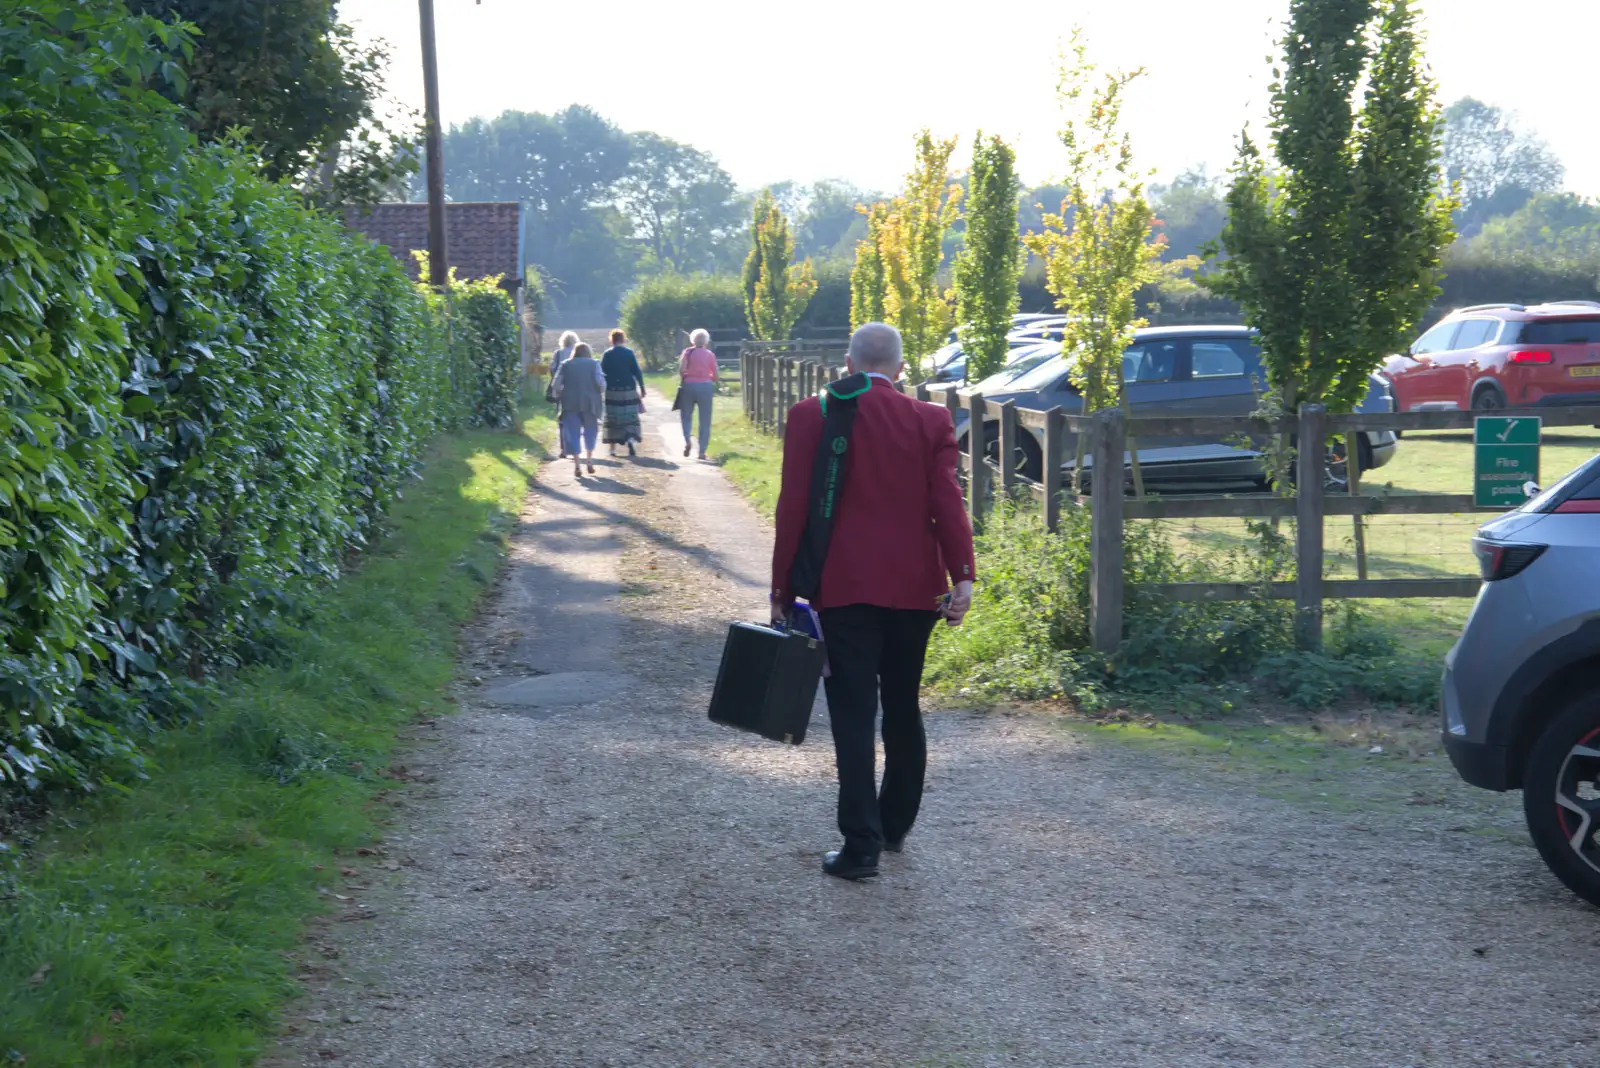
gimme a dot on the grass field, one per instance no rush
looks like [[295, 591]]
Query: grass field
[[158, 926], [1415, 546]]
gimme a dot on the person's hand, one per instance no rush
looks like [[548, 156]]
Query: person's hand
[[779, 615], [960, 603]]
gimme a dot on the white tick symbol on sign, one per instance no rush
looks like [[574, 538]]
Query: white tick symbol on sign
[[1511, 424]]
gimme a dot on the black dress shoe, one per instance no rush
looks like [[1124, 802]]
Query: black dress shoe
[[845, 866]]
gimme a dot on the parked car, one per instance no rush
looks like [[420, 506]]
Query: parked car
[[1023, 357], [1047, 330], [950, 367], [1521, 693], [1174, 370], [1023, 319], [1493, 356]]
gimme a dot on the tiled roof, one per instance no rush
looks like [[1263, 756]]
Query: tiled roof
[[483, 239]]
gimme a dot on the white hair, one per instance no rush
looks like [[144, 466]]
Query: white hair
[[568, 339], [700, 339], [876, 347]]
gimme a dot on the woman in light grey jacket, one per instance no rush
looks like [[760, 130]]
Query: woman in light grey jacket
[[563, 353], [580, 386]]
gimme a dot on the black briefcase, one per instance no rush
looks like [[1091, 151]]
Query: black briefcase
[[767, 682]]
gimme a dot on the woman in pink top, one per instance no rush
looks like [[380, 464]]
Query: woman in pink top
[[697, 373]]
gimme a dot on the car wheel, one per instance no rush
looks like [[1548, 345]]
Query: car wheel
[[1027, 459], [1488, 399], [1561, 797], [1337, 477], [1338, 471]]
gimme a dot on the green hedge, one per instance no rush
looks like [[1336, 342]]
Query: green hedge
[[1470, 278], [485, 333], [210, 393], [658, 308], [828, 313]]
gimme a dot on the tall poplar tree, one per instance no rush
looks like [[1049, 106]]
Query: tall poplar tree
[[912, 246], [776, 290], [988, 267], [867, 275], [1334, 242], [1101, 248]]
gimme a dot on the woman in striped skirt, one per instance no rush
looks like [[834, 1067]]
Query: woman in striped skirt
[[624, 391]]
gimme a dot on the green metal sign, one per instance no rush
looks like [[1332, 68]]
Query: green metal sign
[[1505, 458]]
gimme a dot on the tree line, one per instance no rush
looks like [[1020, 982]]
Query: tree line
[[606, 209]]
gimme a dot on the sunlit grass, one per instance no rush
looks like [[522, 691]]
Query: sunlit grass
[[153, 927], [1409, 546]]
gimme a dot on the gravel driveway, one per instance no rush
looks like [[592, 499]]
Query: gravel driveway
[[591, 874]]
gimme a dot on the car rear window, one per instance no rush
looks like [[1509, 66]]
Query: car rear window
[[1562, 332], [1042, 375], [1475, 332], [1590, 491], [1581, 483]]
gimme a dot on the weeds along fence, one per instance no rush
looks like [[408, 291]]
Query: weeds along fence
[[777, 377]]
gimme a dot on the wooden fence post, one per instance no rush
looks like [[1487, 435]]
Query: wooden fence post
[[1053, 425], [781, 416], [1008, 445], [761, 390], [977, 475], [1310, 477], [754, 388], [1352, 469], [767, 404], [1105, 535], [744, 381]]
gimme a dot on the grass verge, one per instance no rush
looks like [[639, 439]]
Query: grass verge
[[155, 926], [753, 460]]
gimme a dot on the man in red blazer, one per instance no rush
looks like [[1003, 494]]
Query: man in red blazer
[[900, 531]]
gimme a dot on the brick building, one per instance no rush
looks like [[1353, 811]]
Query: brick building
[[483, 240]]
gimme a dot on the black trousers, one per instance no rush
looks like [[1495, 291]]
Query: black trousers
[[877, 653]]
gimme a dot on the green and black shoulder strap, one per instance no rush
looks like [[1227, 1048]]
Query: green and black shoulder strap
[[839, 402]]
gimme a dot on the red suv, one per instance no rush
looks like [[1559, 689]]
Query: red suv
[[1502, 355]]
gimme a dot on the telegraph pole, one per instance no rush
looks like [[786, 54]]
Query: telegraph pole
[[438, 251]]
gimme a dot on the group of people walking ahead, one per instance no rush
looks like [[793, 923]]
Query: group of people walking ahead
[[601, 399], [607, 392]]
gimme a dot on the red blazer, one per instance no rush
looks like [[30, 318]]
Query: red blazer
[[901, 528]]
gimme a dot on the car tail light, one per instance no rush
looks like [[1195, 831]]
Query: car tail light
[[1531, 356], [1500, 561]]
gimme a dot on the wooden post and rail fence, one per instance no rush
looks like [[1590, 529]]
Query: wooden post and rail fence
[[778, 377]]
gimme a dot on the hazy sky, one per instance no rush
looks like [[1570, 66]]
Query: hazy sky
[[853, 80]]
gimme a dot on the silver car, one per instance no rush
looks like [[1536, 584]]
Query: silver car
[[1178, 371], [1521, 694]]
